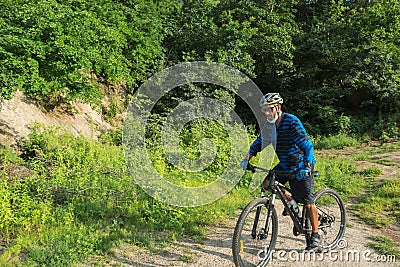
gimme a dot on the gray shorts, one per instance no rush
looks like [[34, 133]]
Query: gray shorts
[[302, 191]]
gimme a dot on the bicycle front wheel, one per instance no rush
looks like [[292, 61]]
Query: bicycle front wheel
[[252, 243], [331, 217]]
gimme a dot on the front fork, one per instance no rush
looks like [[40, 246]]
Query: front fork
[[267, 222]]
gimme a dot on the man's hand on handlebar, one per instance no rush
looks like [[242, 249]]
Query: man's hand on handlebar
[[244, 163], [304, 173]]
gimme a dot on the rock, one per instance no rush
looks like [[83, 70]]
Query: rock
[[18, 115]]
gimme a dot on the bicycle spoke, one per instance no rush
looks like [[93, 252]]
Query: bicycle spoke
[[331, 218], [250, 250]]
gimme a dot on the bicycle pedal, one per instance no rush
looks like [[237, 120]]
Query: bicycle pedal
[[295, 232], [285, 212]]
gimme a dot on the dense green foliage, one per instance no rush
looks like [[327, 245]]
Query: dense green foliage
[[347, 61], [76, 198], [56, 51], [335, 62]]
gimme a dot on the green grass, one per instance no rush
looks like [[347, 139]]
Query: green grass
[[388, 147], [362, 156], [381, 206], [371, 172], [186, 258], [371, 151], [341, 175], [385, 162], [336, 141], [385, 246]]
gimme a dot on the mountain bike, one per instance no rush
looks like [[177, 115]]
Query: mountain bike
[[256, 230]]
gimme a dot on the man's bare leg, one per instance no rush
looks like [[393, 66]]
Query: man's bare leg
[[315, 239]]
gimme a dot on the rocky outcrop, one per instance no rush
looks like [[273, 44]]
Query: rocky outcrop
[[18, 115]]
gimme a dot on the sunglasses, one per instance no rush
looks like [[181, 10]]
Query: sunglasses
[[267, 109]]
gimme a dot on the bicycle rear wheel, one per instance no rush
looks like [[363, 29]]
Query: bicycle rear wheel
[[252, 245], [331, 217]]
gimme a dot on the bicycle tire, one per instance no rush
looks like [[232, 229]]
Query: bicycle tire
[[331, 218], [248, 251]]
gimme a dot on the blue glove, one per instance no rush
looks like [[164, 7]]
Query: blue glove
[[303, 173], [244, 163]]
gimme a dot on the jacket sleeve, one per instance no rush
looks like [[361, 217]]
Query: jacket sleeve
[[256, 146], [266, 137], [301, 139]]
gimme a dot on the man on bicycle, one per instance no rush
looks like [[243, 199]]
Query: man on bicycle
[[295, 151]]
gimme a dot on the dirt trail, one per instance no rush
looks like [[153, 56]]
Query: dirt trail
[[216, 249]]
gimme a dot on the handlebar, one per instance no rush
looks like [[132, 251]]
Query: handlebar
[[253, 169]]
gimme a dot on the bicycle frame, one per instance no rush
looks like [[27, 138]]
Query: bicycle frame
[[264, 231], [277, 188]]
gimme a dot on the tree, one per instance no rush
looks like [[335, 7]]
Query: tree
[[58, 51], [347, 60]]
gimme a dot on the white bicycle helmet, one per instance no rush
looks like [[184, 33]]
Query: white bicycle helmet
[[271, 99]]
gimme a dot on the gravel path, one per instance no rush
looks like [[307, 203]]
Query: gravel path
[[216, 250]]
